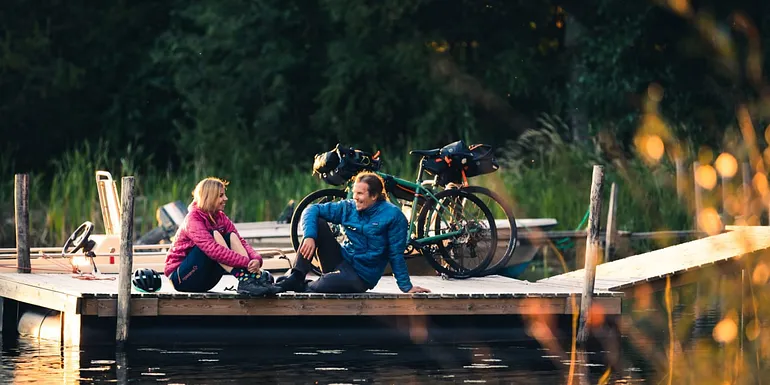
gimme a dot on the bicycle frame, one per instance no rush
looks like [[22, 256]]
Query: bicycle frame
[[419, 190]]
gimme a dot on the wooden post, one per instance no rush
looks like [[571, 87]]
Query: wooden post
[[612, 225], [681, 181], [121, 366], [592, 251], [746, 210], [725, 194], [21, 187], [698, 195], [126, 258]]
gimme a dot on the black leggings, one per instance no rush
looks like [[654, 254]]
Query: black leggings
[[339, 276], [198, 273]]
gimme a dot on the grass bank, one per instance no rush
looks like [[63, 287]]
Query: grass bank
[[548, 184]]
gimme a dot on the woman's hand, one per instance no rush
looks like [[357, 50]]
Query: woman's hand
[[417, 289], [254, 266]]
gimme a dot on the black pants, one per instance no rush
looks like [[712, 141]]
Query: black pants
[[339, 276], [198, 273]]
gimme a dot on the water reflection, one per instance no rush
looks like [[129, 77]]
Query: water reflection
[[26, 361]]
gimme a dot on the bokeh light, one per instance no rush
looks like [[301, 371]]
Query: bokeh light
[[725, 331], [655, 92], [726, 165], [706, 176], [653, 146], [760, 183], [709, 221], [761, 274]]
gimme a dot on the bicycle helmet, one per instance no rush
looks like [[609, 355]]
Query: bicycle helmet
[[147, 280]]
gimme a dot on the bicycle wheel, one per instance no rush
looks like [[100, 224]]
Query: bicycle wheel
[[507, 239], [320, 196], [468, 253]]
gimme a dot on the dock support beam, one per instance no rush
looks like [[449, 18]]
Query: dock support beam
[[21, 187], [71, 324], [126, 258], [593, 248]]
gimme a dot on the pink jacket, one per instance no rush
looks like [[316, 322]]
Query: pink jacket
[[196, 231]]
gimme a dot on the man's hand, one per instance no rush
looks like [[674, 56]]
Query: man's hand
[[307, 248], [417, 289], [254, 266]]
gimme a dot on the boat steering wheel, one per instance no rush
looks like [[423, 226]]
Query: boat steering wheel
[[79, 239]]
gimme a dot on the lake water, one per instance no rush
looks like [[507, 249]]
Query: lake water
[[642, 357], [29, 361]]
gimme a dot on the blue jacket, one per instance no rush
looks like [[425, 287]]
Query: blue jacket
[[375, 236]]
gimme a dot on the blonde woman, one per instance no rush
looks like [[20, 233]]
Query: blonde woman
[[207, 245]]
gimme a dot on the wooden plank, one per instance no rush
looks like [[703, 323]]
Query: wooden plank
[[34, 295], [108, 307], [672, 260], [348, 307], [71, 322]]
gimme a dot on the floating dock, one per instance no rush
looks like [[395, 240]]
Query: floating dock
[[82, 311], [76, 304]]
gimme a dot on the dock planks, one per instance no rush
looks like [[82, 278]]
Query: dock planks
[[671, 261], [478, 296]]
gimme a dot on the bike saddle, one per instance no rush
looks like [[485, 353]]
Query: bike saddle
[[433, 152]]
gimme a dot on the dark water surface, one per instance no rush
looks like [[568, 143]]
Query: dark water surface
[[27, 361]]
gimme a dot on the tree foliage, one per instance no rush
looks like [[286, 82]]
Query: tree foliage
[[250, 84]]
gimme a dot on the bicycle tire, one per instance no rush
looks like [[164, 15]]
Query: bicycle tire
[[450, 266], [498, 261], [325, 195]]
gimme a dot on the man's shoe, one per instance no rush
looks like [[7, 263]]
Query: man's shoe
[[254, 285], [294, 282]]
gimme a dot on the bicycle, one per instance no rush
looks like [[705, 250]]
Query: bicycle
[[439, 228]]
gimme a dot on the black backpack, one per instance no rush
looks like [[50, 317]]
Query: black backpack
[[338, 165]]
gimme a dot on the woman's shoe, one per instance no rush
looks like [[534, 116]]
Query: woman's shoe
[[254, 285]]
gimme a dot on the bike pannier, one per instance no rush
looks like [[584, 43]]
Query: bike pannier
[[326, 161], [483, 161]]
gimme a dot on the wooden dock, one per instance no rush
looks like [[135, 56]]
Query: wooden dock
[[80, 301], [75, 306], [681, 263]]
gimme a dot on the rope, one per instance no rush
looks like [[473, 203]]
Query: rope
[[566, 243]]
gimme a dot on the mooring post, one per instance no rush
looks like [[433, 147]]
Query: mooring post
[[21, 187], [593, 248], [681, 181], [612, 225], [698, 195], [746, 174], [725, 181], [126, 258]]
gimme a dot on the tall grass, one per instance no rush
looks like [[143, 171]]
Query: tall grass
[[550, 182]]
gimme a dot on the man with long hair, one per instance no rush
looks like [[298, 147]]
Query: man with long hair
[[376, 231]]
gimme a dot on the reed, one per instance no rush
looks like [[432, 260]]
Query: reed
[[551, 185]]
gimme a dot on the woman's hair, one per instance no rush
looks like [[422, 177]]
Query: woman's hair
[[206, 193], [375, 184]]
